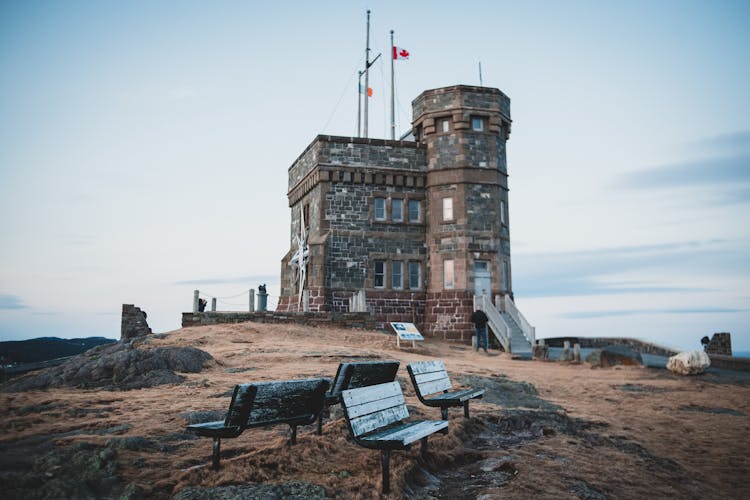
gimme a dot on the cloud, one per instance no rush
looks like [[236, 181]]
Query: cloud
[[732, 142], [244, 280], [593, 272], [640, 312], [718, 171], [11, 302]]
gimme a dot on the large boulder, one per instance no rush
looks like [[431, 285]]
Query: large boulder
[[689, 363]]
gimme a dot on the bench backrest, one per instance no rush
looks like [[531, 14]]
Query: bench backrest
[[370, 408], [363, 374], [239, 408], [429, 377], [292, 401]]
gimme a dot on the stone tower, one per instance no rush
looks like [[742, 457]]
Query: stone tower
[[416, 227], [465, 130]]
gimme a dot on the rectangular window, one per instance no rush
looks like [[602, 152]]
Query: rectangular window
[[415, 275], [447, 208], [477, 123], [448, 278], [379, 281], [506, 286], [397, 210], [414, 210], [502, 211], [397, 275], [379, 208], [446, 125]]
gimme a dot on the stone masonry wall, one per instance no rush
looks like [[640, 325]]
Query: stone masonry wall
[[133, 323], [447, 315], [721, 343]]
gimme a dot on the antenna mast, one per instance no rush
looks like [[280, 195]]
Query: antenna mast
[[367, 71]]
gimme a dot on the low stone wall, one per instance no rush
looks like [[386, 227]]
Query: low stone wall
[[730, 362], [345, 320], [600, 342]]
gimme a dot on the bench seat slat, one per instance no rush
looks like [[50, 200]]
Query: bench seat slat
[[458, 396], [215, 429], [372, 393], [433, 387], [428, 366], [431, 376], [408, 433], [372, 421], [375, 406]]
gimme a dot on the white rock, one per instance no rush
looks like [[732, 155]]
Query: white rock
[[689, 363]]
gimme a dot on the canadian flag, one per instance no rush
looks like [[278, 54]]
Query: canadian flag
[[400, 53]]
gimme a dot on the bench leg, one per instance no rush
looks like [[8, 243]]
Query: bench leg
[[466, 409], [320, 424], [216, 454], [424, 447], [294, 434], [385, 459], [444, 412]]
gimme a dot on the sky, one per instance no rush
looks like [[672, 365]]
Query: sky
[[144, 149]]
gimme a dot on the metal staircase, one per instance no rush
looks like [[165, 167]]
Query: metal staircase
[[511, 329]]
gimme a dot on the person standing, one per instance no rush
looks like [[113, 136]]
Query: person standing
[[479, 318]]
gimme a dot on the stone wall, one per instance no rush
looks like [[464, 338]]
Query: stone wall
[[447, 315], [133, 323], [601, 342], [345, 320], [721, 343]]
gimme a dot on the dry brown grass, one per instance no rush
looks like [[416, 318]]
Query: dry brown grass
[[639, 433]]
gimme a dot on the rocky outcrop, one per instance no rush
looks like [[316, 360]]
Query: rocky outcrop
[[689, 363], [120, 366]]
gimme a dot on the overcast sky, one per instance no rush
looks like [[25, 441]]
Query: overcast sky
[[144, 149]]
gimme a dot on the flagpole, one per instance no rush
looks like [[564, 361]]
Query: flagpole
[[393, 101], [367, 72], [359, 104]]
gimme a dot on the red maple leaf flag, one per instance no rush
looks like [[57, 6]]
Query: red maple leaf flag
[[400, 53]]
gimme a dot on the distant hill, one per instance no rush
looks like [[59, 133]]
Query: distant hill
[[46, 348]]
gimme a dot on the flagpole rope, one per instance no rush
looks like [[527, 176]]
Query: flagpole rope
[[343, 92]]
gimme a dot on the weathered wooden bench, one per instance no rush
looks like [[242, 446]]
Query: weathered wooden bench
[[374, 415], [430, 377], [358, 374], [261, 404]]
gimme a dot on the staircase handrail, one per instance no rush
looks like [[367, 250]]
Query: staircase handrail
[[496, 322], [528, 331]]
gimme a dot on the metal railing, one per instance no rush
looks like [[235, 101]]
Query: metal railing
[[496, 322], [510, 308]]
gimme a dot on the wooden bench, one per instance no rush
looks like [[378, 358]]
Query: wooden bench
[[374, 415], [430, 377], [261, 404], [358, 374]]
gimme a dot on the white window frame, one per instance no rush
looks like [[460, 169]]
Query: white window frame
[[415, 264], [397, 202], [448, 208], [418, 204], [375, 208], [446, 125], [380, 274], [449, 275], [397, 278], [477, 123]]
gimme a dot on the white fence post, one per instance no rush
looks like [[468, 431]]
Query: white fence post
[[213, 304], [196, 294], [252, 300]]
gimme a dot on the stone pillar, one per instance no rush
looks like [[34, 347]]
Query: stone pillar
[[196, 295], [213, 304], [133, 323], [252, 300], [721, 343]]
